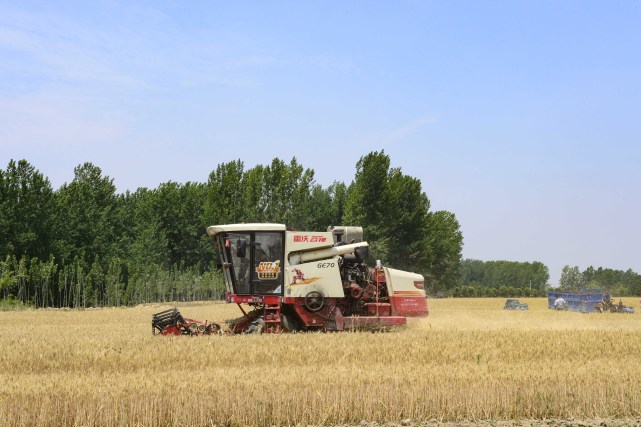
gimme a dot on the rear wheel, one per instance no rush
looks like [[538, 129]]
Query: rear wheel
[[289, 323]]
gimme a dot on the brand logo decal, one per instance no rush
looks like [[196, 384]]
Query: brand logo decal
[[268, 270], [310, 239]]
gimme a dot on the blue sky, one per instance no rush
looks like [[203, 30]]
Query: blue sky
[[521, 117]]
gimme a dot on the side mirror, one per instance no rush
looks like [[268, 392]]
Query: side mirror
[[241, 248]]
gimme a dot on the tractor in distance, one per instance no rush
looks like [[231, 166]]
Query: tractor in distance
[[302, 281]]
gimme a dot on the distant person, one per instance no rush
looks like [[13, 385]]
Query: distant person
[[560, 303]]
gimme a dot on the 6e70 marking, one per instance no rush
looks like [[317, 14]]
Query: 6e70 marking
[[325, 265]]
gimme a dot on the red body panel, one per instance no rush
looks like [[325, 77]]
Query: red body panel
[[243, 299], [328, 318], [378, 309], [410, 306], [171, 330], [271, 299]]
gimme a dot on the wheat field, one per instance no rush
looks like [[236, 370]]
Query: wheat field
[[469, 360]]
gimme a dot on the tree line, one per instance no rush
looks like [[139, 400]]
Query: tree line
[[501, 279], [84, 244], [530, 279], [618, 282]]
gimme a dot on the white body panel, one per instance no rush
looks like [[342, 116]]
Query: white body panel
[[296, 241], [322, 276], [244, 228], [402, 283]]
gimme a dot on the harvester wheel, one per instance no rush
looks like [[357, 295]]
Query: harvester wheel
[[289, 323], [314, 301], [256, 326], [213, 328]]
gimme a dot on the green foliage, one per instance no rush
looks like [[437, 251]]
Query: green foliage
[[407, 222], [571, 278], [367, 198], [619, 282], [85, 245], [507, 277], [147, 242], [224, 201], [180, 209], [12, 304], [85, 223], [26, 207], [279, 193], [7, 276], [401, 230], [445, 243]]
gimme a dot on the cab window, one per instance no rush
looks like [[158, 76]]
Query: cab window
[[237, 245], [267, 271]]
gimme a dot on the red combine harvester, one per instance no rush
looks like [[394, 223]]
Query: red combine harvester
[[301, 281]]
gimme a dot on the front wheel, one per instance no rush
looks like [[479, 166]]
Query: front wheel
[[314, 301], [256, 326]]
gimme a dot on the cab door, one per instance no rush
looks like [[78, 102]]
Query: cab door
[[267, 263]]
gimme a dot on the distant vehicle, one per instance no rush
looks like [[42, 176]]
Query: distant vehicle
[[514, 304], [608, 304], [588, 301]]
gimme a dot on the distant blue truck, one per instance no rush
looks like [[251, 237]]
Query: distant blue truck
[[584, 300]]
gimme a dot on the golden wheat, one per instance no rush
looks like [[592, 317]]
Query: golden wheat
[[468, 360]]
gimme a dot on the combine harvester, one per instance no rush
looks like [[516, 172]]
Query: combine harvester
[[302, 281]]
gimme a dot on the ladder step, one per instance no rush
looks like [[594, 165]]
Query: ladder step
[[271, 314]]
